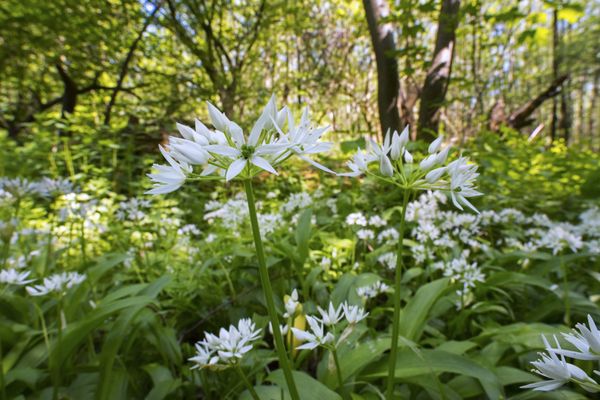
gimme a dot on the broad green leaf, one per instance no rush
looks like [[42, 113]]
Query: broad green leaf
[[426, 362], [414, 315], [308, 387]]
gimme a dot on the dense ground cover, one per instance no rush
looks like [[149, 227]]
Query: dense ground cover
[[106, 290]]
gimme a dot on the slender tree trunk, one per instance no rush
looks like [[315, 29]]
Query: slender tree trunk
[[125, 65], [388, 82], [593, 113], [438, 75], [554, 122], [69, 98]]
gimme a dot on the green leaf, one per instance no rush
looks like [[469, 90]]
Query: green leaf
[[303, 235], [410, 364], [414, 315], [308, 387]]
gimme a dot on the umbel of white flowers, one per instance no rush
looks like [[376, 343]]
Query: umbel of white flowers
[[228, 347], [397, 166], [227, 152]]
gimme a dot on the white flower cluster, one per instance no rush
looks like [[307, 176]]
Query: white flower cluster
[[133, 209], [228, 347], [373, 290], [57, 283], [21, 187], [557, 371], [12, 276], [233, 213], [397, 166], [370, 225], [227, 152], [322, 329], [296, 202]]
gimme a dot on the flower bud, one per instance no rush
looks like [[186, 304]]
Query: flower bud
[[435, 174], [385, 166], [408, 158], [435, 145]]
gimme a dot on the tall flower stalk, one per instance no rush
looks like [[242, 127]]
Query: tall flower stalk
[[226, 153], [397, 167]]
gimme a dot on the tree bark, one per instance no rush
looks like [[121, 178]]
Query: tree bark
[[555, 65], [521, 116], [388, 82], [438, 75], [125, 65]]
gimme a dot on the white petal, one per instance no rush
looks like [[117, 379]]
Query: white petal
[[264, 164], [235, 168], [316, 164]]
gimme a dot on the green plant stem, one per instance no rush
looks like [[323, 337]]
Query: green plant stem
[[268, 292], [249, 386], [2, 384], [338, 371], [567, 300], [397, 309], [55, 370]]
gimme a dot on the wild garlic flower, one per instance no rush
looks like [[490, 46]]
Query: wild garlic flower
[[228, 347], [587, 342], [19, 187], [57, 283], [558, 371], [291, 304], [396, 166], [373, 290], [316, 337], [227, 152], [13, 277], [354, 314], [329, 320], [49, 187], [331, 316]]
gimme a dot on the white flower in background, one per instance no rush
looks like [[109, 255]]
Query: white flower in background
[[291, 304], [356, 218], [315, 337], [57, 283], [388, 260], [388, 235], [560, 237], [228, 347], [365, 234], [296, 201], [377, 221], [373, 290], [132, 209], [325, 262], [457, 178], [19, 187], [53, 187], [189, 229], [331, 316], [557, 370], [284, 329], [353, 314], [13, 277], [227, 151]]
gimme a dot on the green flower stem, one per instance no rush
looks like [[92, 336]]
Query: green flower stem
[[268, 292], [567, 300], [397, 309], [55, 370], [249, 386], [338, 371], [2, 384]]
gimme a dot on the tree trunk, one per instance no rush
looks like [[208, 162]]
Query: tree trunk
[[438, 75], [69, 98], [388, 82], [555, 63]]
